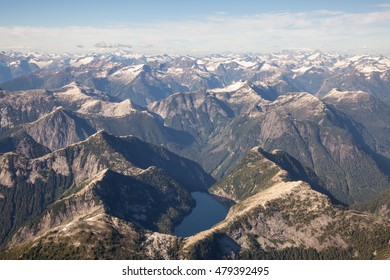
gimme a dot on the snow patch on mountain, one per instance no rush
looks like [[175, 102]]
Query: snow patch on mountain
[[42, 63], [233, 87], [127, 74], [268, 67], [246, 64], [302, 69], [82, 61]]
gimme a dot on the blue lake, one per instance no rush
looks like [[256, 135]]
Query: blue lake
[[207, 212]]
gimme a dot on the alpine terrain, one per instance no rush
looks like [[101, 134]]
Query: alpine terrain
[[99, 155]]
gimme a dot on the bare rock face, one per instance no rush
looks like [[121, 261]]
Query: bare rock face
[[216, 127], [30, 148], [334, 146], [59, 129], [276, 217], [59, 118], [19, 108], [69, 191], [123, 177], [327, 142], [372, 114], [259, 170]]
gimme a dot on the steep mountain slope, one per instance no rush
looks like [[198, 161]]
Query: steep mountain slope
[[64, 116], [22, 107], [311, 79], [376, 84], [200, 113], [229, 122], [257, 170], [143, 85], [379, 204], [278, 218], [370, 112], [59, 71], [59, 129], [23, 144], [145, 79], [275, 217], [29, 186], [321, 119], [324, 140], [102, 219], [19, 108], [14, 66], [207, 115]]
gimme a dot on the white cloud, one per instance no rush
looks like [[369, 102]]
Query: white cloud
[[384, 5], [327, 30], [105, 45]]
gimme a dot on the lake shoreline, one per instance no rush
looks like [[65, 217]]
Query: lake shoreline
[[208, 211]]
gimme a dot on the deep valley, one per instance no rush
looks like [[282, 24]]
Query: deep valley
[[247, 156]]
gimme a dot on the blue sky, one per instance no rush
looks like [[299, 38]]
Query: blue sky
[[196, 27]]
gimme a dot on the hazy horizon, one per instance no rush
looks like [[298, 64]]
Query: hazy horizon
[[200, 28]]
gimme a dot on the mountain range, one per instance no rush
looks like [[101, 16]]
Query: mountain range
[[99, 155]]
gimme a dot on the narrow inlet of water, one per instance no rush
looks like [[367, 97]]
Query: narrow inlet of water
[[207, 212]]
